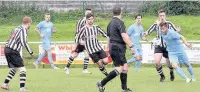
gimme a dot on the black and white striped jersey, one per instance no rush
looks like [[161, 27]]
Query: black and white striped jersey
[[18, 39], [157, 28], [90, 36], [81, 23]]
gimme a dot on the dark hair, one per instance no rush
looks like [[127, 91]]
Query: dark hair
[[137, 16], [161, 11], [116, 11], [89, 15], [88, 9], [163, 24]]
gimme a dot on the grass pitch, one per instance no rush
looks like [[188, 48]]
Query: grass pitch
[[146, 80]]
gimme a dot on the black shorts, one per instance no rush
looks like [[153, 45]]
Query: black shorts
[[13, 58], [163, 50], [98, 56], [118, 54], [80, 48]]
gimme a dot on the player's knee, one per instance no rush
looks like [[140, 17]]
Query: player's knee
[[174, 65], [138, 58], [119, 69], [157, 65], [22, 69], [105, 61], [15, 69], [125, 67], [74, 55], [100, 64]]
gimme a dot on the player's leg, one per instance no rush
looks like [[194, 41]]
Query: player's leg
[[157, 58], [97, 59], [74, 54], [10, 75], [108, 78], [49, 54], [39, 59], [123, 78], [14, 60], [165, 54], [118, 61], [22, 79], [86, 62], [184, 60], [139, 59], [104, 62], [174, 61]]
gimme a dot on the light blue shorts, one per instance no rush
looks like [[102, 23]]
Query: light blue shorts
[[180, 57]]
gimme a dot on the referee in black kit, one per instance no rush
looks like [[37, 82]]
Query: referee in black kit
[[117, 48]]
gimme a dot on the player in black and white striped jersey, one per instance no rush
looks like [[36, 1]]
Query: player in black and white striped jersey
[[159, 44], [80, 48], [90, 35], [17, 40]]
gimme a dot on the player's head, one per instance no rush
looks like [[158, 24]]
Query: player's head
[[163, 26], [90, 18], [27, 21], [87, 11], [117, 11], [138, 18], [162, 15], [47, 17]]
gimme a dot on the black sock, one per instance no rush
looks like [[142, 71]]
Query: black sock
[[171, 70], [70, 60], [160, 71], [86, 62], [123, 78], [110, 76], [22, 79], [103, 70], [11, 74]]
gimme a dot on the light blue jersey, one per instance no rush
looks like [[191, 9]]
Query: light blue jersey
[[46, 28], [174, 47], [173, 42], [135, 32], [177, 53]]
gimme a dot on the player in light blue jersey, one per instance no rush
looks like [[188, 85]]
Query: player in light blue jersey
[[135, 31], [45, 29], [176, 51]]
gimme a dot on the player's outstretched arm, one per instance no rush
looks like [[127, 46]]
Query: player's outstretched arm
[[150, 30], [24, 41], [185, 42]]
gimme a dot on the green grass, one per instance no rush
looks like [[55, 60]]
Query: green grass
[[146, 80], [65, 31]]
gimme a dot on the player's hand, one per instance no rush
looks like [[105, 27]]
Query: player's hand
[[133, 51], [144, 39], [188, 45], [41, 35], [31, 53], [145, 34], [178, 28]]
